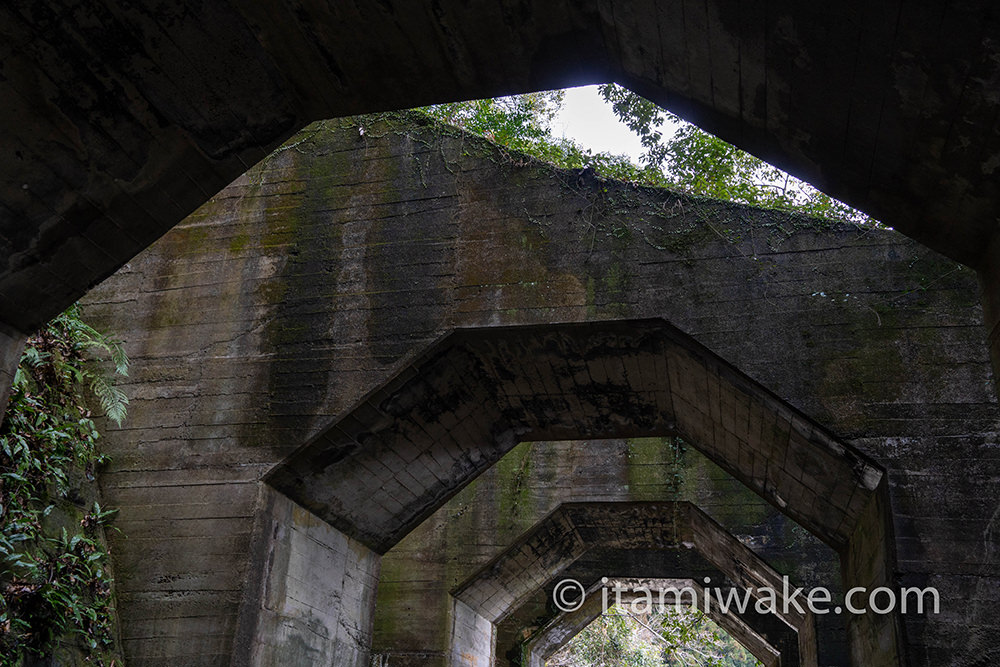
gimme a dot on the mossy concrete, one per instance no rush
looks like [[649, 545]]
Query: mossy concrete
[[274, 309]]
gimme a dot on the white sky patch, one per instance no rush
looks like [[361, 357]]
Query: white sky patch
[[589, 120]]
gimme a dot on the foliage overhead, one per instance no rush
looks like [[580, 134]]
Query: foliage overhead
[[660, 637], [703, 164], [523, 123], [54, 578], [518, 121], [684, 158]]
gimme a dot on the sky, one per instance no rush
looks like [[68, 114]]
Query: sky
[[586, 118]]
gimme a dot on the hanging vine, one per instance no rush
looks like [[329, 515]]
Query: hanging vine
[[55, 583]]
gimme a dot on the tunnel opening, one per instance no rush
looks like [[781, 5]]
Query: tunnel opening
[[556, 578], [468, 400], [517, 492], [645, 630]]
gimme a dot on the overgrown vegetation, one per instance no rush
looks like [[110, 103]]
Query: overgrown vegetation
[[55, 586], [666, 637], [686, 159], [523, 123]]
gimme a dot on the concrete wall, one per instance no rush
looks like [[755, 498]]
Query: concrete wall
[[311, 280]]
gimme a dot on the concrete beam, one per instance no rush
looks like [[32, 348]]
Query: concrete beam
[[465, 402]]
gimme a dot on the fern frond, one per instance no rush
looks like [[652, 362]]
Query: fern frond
[[113, 400], [88, 337], [118, 357], [33, 356], [20, 378]]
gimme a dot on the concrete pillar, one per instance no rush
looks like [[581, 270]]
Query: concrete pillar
[[473, 638], [867, 563], [309, 597], [11, 346]]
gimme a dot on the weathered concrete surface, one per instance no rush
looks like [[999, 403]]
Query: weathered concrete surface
[[989, 279], [467, 400], [528, 484], [317, 592], [121, 119], [263, 317], [573, 529], [473, 638], [426, 433]]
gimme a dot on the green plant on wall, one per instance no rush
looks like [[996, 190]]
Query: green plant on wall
[[523, 123], [685, 158], [55, 586]]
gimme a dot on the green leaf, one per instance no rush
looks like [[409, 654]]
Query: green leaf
[[113, 400]]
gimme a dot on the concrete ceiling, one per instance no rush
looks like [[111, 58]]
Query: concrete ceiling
[[117, 120]]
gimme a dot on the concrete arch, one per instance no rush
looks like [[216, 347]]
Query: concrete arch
[[194, 97], [769, 629], [413, 604], [469, 399], [462, 404], [245, 352], [780, 638], [549, 552]]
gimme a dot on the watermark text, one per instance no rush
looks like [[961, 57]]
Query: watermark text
[[568, 595]]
